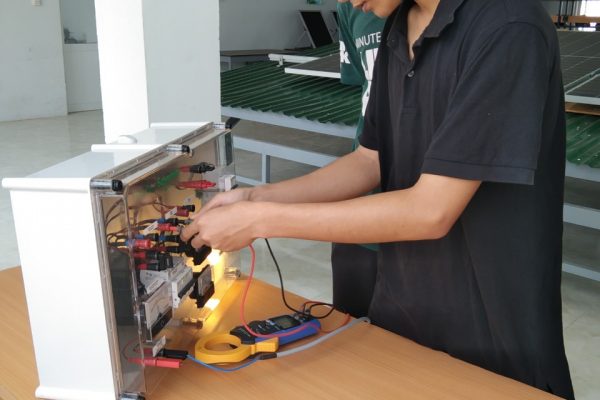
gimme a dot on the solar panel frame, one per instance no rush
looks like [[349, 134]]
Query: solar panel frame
[[588, 92], [576, 69], [325, 67], [315, 27], [580, 61]]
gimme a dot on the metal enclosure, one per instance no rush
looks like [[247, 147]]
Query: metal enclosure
[[107, 280]]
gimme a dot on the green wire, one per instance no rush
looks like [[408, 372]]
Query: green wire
[[163, 181]]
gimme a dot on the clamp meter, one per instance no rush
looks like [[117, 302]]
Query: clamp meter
[[279, 325]]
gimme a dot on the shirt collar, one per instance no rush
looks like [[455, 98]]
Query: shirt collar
[[444, 16], [395, 32]]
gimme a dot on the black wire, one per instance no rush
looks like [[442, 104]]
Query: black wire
[[281, 280], [146, 221], [327, 314], [111, 219], [112, 208], [304, 311]]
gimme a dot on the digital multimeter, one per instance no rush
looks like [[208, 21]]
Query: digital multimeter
[[279, 325]]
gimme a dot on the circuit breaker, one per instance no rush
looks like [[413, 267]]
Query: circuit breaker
[[108, 281]]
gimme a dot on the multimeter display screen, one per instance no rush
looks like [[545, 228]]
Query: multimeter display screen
[[285, 321]]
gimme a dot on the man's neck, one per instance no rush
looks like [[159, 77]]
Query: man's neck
[[427, 7], [419, 17]]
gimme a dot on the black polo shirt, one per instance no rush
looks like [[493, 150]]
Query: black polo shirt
[[482, 100]]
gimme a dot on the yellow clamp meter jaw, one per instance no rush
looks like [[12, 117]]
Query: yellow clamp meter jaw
[[209, 348]]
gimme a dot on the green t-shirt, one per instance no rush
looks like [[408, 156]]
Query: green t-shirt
[[360, 35]]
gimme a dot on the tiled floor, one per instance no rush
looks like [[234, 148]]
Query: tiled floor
[[32, 145]]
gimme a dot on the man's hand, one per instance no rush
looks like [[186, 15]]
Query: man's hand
[[224, 224], [225, 198], [231, 220], [220, 223]]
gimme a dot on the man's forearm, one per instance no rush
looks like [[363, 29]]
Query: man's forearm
[[426, 211], [347, 177], [368, 219]]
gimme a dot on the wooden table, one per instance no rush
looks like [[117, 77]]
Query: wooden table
[[582, 19], [364, 362]]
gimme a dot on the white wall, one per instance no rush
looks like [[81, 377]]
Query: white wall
[[82, 74], [182, 60], [122, 66], [159, 62], [266, 24], [32, 77]]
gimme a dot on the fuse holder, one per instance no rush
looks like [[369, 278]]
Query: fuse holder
[[167, 228], [142, 244], [172, 221], [182, 212], [155, 237]]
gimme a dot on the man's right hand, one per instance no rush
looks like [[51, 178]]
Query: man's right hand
[[226, 198], [220, 200]]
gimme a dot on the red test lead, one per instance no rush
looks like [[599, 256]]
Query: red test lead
[[157, 362], [201, 184]]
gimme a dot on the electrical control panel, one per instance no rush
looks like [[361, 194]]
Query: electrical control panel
[[112, 282]]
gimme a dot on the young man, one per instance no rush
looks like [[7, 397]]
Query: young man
[[465, 134], [354, 266]]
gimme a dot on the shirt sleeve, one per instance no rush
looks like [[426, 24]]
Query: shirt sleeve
[[493, 126], [368, 136], [351, 72], [374, 118]]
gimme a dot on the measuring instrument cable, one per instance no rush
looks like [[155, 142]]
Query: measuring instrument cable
[[246, 342]]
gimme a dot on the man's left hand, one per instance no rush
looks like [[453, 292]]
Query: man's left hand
[[226, 228]]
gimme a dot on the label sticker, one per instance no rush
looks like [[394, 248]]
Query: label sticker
[[171, 213], [159, 345], [150, 228]]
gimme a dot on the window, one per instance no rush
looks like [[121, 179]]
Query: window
[[590, 8]]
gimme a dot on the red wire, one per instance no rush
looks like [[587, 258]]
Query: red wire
[[243, 304]]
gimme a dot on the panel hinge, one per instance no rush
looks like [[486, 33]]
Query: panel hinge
[[107, 184], [179, 149]]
